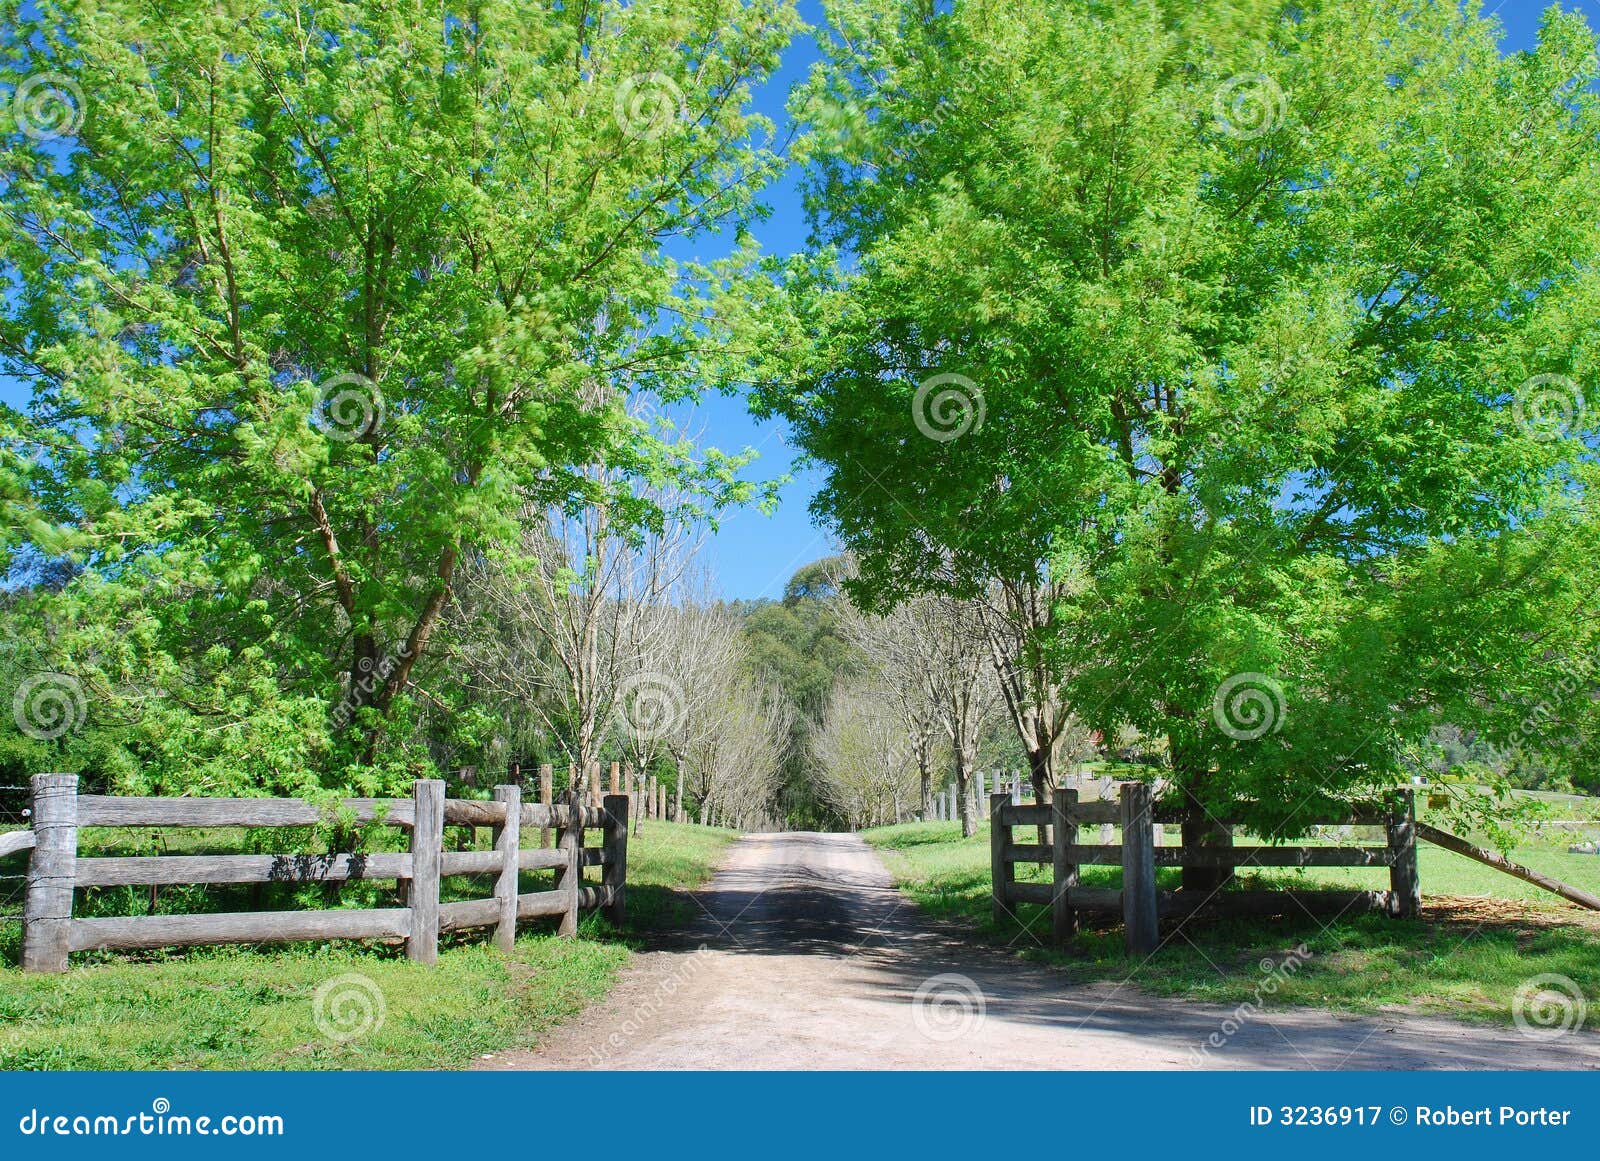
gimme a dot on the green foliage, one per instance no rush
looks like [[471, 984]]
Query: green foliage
[[311, 301], [1265, 325]]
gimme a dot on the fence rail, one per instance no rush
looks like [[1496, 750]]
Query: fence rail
[[55, 871], [1139, 901]]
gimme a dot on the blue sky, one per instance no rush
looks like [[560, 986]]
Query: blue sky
[[754, 554]]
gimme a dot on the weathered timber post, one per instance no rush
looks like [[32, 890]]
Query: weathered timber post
[[508, 842], [52, 871], [983, 795], [1139, 914], [616, 855], [1405, 883], [427, 848], [1000, 867], [1064, 877], [614, 785], [661, 801], [569, 838], [547, 800]]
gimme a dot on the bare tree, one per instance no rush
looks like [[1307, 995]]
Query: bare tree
[[686, 658], [900, 658], [964, 689], [861, 757], [575, 607], [934, 660], [732, 762]]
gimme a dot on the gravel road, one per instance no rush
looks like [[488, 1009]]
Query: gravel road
[[806, 957]]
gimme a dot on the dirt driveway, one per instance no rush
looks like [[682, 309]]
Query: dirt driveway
[[805, 956]]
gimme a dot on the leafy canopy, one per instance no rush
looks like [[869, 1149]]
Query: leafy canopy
[[313, 299], [1264, 324]]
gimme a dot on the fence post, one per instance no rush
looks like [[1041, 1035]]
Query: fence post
[[1405, 884], [508, 842], [616, 854], [427, 848], [1138, 870], [546, 799], [52, 870], [614, 784], [1064, 835], [1000, 867], [569, 838], [983, 795]]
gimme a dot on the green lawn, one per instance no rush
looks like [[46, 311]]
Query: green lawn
[[221, 1008], [1466, 957]]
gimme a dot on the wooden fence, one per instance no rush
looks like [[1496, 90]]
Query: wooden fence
[[55, 872], [1139, 901]]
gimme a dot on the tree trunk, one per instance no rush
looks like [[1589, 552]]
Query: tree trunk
[[1042, 774], [966, 758], [1200, 830]]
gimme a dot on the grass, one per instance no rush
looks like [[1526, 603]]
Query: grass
[[254, 1008], [1465, 957]]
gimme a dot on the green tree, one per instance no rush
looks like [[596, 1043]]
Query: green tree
[[1263, 323], [313, 299]]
